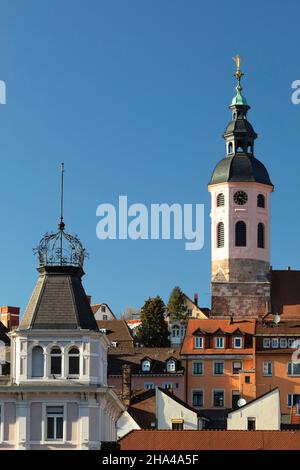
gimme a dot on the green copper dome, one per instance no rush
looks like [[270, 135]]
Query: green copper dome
[[239, 99]]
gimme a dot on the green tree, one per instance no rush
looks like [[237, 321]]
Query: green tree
[[177, 308], [153, 330]]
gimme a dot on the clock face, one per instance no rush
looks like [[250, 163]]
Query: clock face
[[240, 198]]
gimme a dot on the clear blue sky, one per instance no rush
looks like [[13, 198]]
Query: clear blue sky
[[133, 96]]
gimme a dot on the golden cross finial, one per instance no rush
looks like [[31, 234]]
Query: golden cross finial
[[238, 74], [237, 60]]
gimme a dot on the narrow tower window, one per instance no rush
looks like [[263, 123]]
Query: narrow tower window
[[240, 234], [37, 362], [55, 361], [260, 235], [260, 200], [220, 200], [230, 147], [74, 361], [220, 235]]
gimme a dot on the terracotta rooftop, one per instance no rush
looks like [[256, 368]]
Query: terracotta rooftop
[[214, 326], [210, 440]]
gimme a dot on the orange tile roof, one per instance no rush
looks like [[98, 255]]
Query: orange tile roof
[[211, 326], [210, 440]]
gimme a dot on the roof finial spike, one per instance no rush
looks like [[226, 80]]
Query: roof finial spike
[[238, 74], [61, 224]]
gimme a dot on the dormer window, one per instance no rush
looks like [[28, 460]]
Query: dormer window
[[55, 366], [219, 342], [171, 365], [146, 365], [237, 342], [198, 342]]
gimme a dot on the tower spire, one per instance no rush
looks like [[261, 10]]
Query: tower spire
[[61, 225], [239, 99]]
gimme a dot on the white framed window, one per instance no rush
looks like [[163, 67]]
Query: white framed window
[[218, 398], [237, 342], [148, 385], [266, 343], [168, 386], [37, 362], [275, 343], [283, 343], [219, 342], [198, 368], [103, 308], [198, 342], [55, 361], [218, 367], [291, 343], [171, 365], [146, 365], [189, 312], [267, 368], [55, 423], [197, 398], [293, 399], [175, 331], [293, 369], [236, 366], [73, 361]]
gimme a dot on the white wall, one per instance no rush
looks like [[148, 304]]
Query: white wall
[[168, 409], [125, 424], [266, 412]]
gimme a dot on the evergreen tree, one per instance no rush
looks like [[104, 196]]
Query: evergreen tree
[[153, 330], [177, 308]]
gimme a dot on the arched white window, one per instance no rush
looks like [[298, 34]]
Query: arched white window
[[37, 362], [171, 365], [146, 366], [175, 331], [55, 361], [73, 358]]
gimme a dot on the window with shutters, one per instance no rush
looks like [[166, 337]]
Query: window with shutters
[[220, 235]]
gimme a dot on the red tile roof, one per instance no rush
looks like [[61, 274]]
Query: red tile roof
[[212, 326], [210, 440]]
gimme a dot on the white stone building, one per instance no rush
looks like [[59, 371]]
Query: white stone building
[[57, 396]]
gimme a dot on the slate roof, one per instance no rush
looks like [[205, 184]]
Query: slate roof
[[59, 301], [240, 168], [158, 358]]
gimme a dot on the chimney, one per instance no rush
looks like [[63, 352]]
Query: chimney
[[126, 384], [196, 298], [9, 316]]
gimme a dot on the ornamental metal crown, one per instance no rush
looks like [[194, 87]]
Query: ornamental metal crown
[[60, 248]]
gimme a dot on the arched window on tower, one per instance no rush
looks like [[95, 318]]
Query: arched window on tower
[[73, 361], [55, 367], [230, 147], [220, 235], [260, 235], [260, 200], [220, 200], [240, 234], [37, 362], [239, 147]]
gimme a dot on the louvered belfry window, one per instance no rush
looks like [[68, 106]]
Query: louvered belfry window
[[220, 235], [220, 200]]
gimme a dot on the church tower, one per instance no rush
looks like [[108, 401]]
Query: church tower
[[240, 190]]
